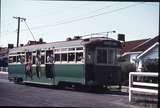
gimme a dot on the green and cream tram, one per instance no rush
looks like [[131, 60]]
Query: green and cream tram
[[91, 61]]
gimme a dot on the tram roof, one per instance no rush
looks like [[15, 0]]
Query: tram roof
[[59, 44]]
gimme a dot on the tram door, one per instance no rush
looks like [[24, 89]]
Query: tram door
[[49, 68], [90, 64]]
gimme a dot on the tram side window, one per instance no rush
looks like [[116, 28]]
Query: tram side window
[[49, 56], [21, 59], [42, 59], [57, 57], [18, 58], [79, 48], [10, 59], [34, 59], [28, 56], [79, 56], [71, 49], [102, 56], [71, 57], [14, 58], [64, 57]]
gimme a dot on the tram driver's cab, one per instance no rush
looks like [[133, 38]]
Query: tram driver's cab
[[101, 63]]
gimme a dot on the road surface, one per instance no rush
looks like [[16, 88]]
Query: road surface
[[12, 94]]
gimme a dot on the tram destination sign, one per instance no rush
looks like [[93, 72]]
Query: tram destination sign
[[110, 43]]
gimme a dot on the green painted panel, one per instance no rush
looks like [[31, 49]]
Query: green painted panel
[[62, 72], [16, 70], [69, 72], [42, 78]]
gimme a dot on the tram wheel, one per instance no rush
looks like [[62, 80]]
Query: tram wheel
[[18, 80]]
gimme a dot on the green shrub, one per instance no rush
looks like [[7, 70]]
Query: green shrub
[[151, 65], [126, 67]]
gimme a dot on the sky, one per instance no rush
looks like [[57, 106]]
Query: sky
[[57, 20]]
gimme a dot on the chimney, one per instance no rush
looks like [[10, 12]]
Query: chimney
[[121, 37], [10, 46], [21, 45]]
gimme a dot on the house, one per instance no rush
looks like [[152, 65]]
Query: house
[[3, 57], [150, 54], [127, 52], [138, 50]]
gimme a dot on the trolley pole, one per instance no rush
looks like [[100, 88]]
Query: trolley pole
[[19, 18]]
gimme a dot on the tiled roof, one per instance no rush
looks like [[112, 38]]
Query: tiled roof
[[146, 44], [139, 45], [129, 45]]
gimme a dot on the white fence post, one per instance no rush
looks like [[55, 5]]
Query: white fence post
[[130, 81], [143, 90]]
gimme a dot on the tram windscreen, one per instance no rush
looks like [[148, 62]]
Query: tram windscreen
[[106, 56], [102, 56]]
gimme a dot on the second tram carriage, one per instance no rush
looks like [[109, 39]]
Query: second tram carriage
[[91, 62]]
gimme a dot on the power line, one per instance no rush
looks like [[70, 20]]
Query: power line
[[73, 7], [8, 32], [88, 17], [87, 13], [29, 30], [101, 9]]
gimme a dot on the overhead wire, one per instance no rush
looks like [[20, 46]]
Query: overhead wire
[[87, 13], [29, 30], [51, 14], [84, 18], [88, 17], [8, 32]]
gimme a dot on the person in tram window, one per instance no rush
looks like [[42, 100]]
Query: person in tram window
[[51, 58], [38, 63], [29, 68], [22, 59]]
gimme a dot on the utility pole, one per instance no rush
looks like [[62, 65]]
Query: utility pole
[[22, 19]]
